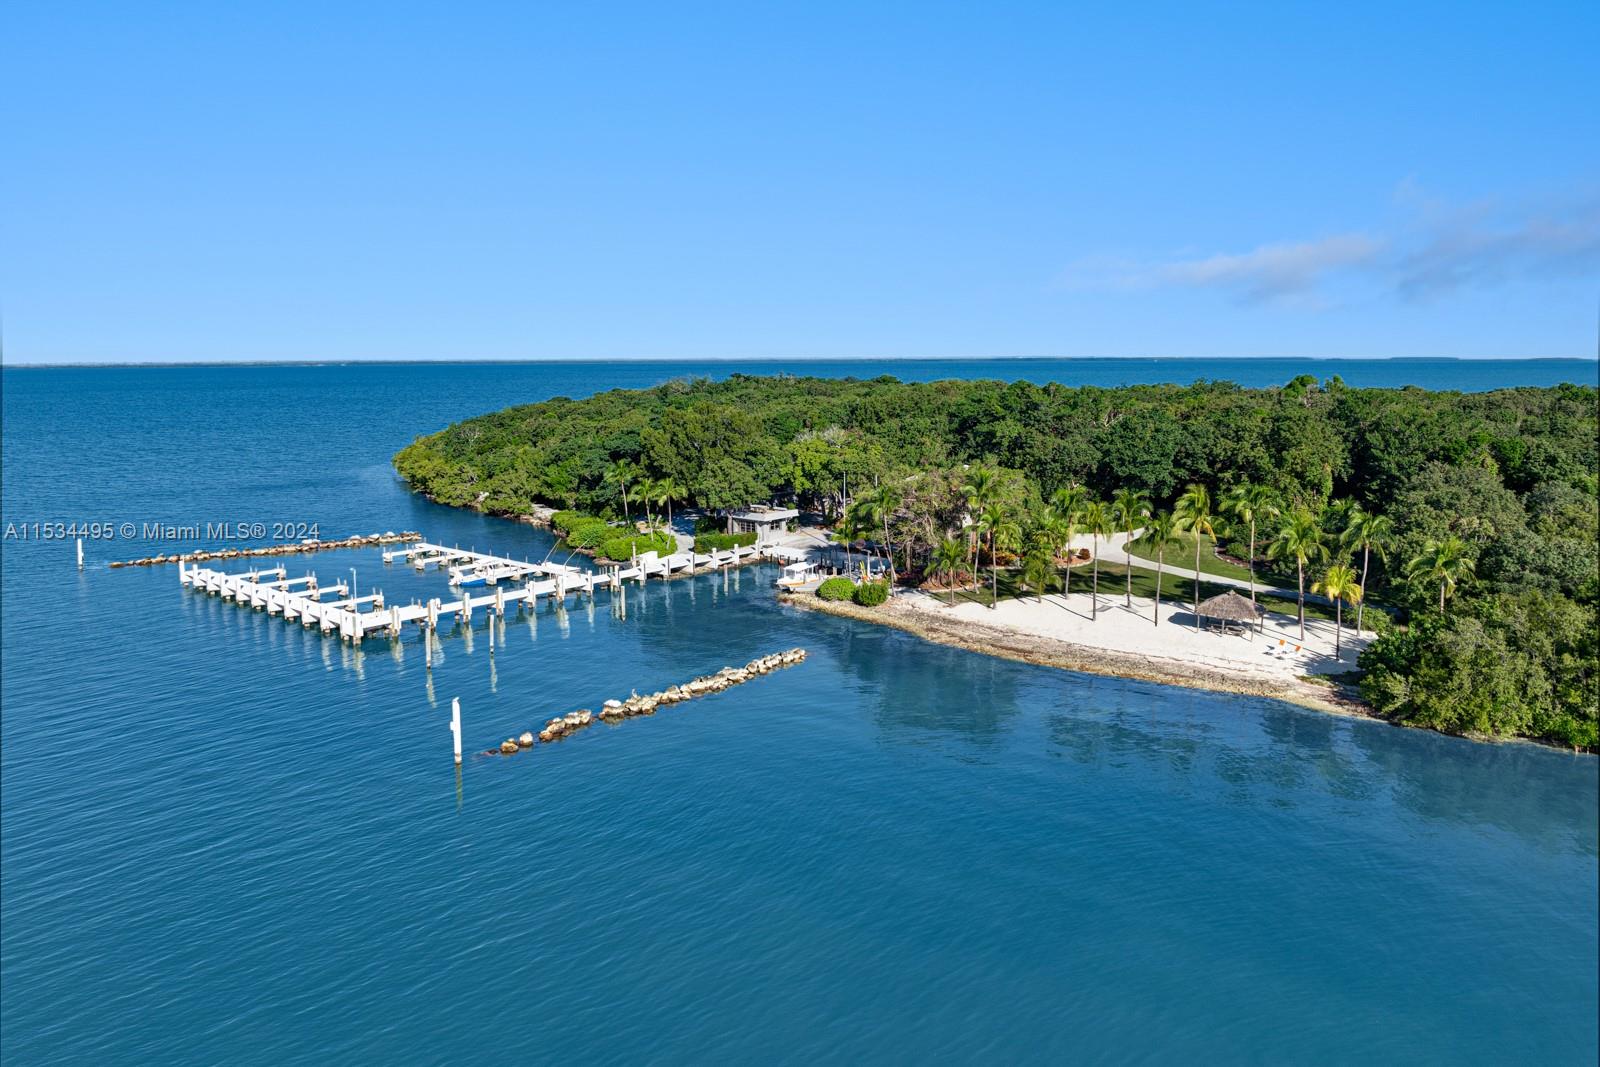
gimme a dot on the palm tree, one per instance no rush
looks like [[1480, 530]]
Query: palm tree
[[847, 529], [1445, 562], [1252, 504], [1057, 527], [949, 557], [1131, 508], [1193, 512], [1069, 500], [619, 474], [1370, 533], [1038, 568], [876, 507], [1339, 585], [981, 490], [1337, 516], [644, 488], [1007, 534], [1300, 537], [1097, 524], [1160, 534], [1052, 530], [989, 522]]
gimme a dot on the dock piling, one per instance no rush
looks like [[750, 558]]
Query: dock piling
[[455, 725]]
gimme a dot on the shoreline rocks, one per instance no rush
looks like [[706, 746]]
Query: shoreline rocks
[[614, 711], [293, 548]]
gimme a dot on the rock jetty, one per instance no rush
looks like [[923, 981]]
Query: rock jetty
[[293, 548], [614, 710]]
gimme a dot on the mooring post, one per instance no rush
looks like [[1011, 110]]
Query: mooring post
[[427, 646], [455, 725]]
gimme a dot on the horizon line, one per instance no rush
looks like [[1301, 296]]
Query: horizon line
[[514, 361]]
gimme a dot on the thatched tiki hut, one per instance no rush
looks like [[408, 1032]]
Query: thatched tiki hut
[[1230, 607]]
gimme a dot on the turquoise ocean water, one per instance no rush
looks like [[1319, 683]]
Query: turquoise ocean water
[[227, 840]]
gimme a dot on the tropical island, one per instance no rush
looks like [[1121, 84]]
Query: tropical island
[[1445, 544]]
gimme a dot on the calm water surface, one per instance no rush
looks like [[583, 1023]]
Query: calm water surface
[[226, 840]]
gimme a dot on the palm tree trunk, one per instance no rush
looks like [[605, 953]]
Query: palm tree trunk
[[1094, 593], [1338, 628], [1156, 614], [950, 576], [1261, 623], [994, 585], [1197, 580], [1361, 605], [1441, 598], [1252, 563], [1302, 565], [1127, 564]]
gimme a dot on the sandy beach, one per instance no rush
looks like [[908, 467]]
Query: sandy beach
[[1125, 642]]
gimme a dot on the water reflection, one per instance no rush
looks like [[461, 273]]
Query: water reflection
[[970, 696], [1252, 752], [1508, 786]]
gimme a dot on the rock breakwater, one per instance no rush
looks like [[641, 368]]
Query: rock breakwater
[[616, 710]]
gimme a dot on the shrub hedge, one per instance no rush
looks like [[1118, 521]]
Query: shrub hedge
[[565, 520], [871, 594], [622, 549], [590, 533], [838, 588]]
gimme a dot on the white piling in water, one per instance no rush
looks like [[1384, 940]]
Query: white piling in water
[[427, 645], [80, 558], [455, 725]]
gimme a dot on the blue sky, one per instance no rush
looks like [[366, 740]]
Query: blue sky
[[452, 181]]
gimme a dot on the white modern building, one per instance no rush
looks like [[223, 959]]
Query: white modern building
[[767, 523]]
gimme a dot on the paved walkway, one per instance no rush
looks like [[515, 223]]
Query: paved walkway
[[1111, 551]]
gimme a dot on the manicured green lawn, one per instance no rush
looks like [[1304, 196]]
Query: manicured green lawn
[[1181, 557], [1175, 589]]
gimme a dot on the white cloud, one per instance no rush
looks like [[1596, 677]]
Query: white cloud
[[1273, 271], [1436, 251], [1475, 250]]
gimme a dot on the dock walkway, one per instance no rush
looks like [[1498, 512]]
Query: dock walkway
[[510, 582]]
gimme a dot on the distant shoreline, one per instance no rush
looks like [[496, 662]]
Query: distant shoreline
[[741, 360]]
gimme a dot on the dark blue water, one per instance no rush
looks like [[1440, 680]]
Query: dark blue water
[[228, 840]]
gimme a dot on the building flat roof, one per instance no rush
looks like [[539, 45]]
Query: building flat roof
[[765, 515]]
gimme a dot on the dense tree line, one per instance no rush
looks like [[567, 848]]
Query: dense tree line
[[1475, 514]]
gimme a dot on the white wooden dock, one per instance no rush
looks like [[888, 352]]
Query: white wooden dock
[[507, 582]]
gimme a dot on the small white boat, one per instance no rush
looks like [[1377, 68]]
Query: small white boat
[[796, 574]]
